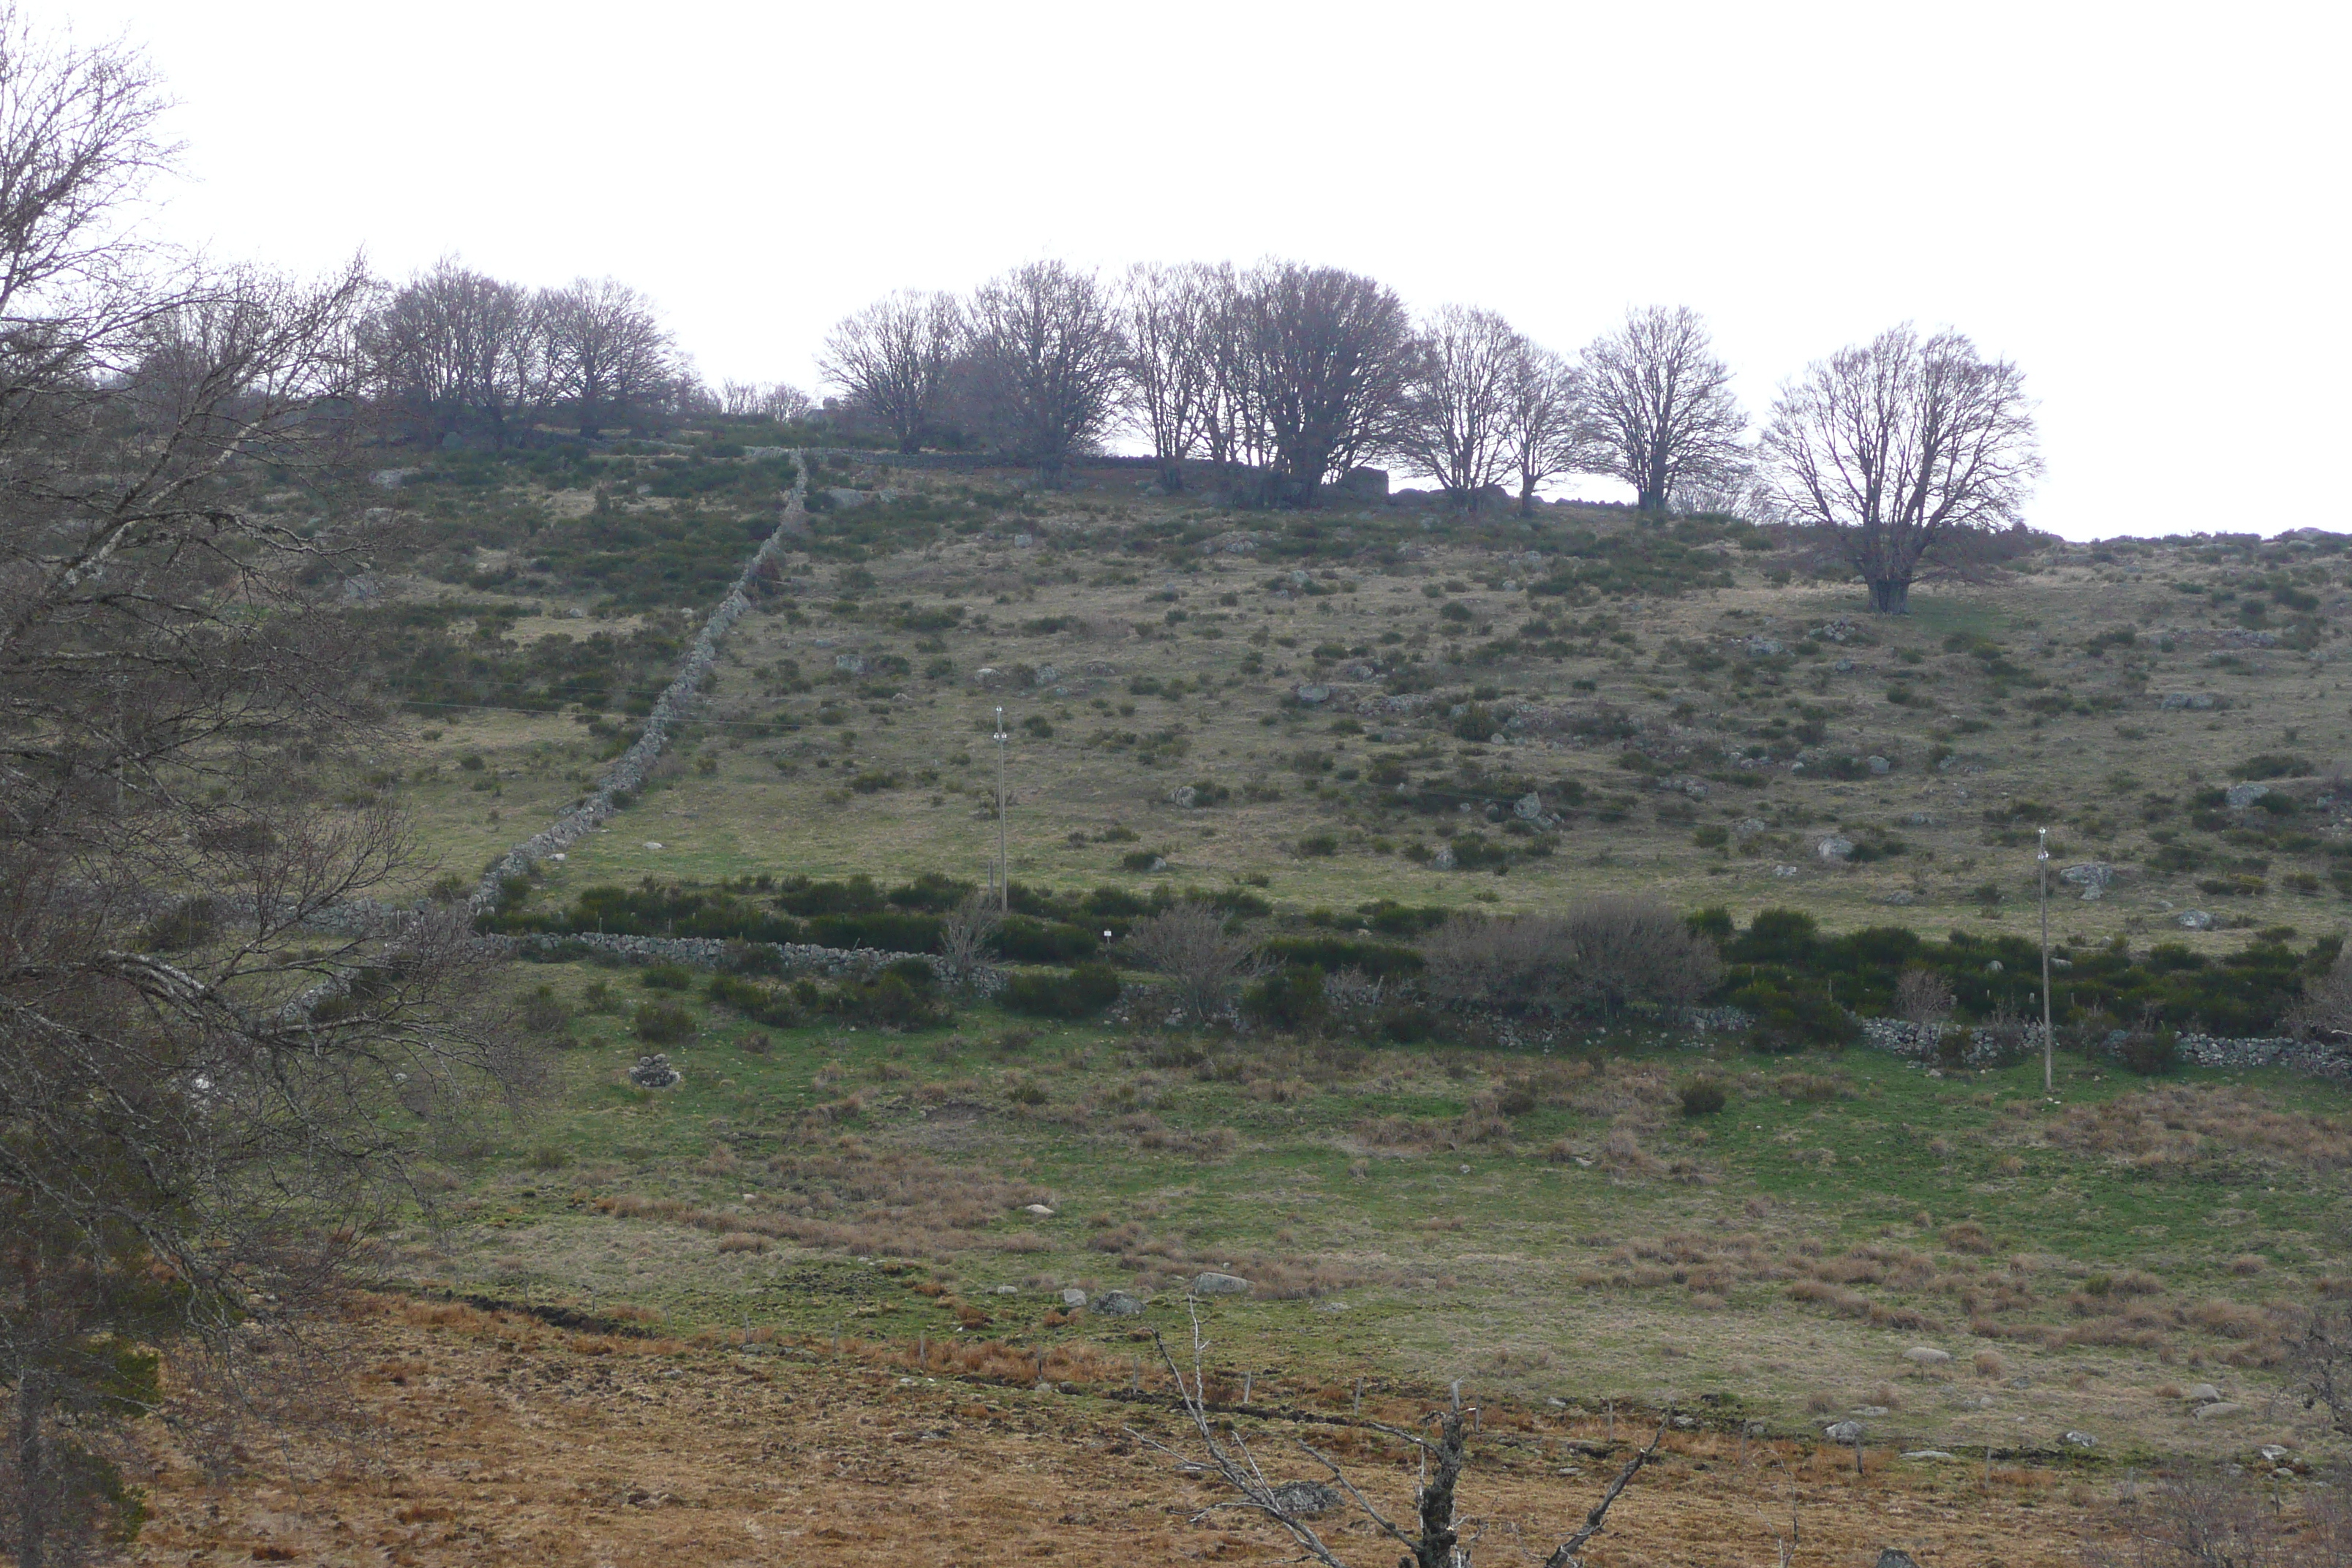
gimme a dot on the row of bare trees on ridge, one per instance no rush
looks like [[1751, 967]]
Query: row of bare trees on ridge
[[1287, 375]]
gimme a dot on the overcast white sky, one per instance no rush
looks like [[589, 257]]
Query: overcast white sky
[[2143, 204]]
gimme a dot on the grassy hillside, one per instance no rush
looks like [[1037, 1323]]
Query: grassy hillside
[[1343, 726], [1651, 689], [1320, 714]]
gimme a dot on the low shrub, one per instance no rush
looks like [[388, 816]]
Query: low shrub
[[663, 1024], [775, 1006], [541, 1012], [1078, 993], [1290, 998], [1378, 960], [665, 977], [2150, 1054], [1023, 939], [903, 996], [1701, 1097]]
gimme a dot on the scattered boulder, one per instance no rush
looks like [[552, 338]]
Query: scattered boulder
[[2202, 1394], [1881, 766], [1870, 1411], [1927, 1355], [655, 1072], [2241, 797], [2217, 1409], [1214, 1284], [2092, 877], [1926, 1453], [1842, 1431], [1311, 695], [1298, 1498], [1039, 1210], [2196, 919], [849, 663], [1528, 807], [1047, 675], [2187, 699], [1444, 859], [1120, 1304], [2081, 1440], [1023, 541], [1074, 1298], [1748, 827], [1183, 796], [1834, 848], [1892, 1557]]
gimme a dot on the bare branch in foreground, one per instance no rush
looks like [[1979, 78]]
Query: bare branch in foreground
[[1439, 1542]]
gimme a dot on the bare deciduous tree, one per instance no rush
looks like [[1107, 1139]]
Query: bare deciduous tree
[[201, 1097], [1165, 316], [1453, 424], [1600, 955], [1660, 415], [1636, 952], [1433, 1537], [2326, 1006], [2320, 1364], [1043, 357], [780, 401], [892, 359], [1205, 965], [2204, 1517], [964, 935], [1515, 965], [1329, 354], [1923, 996], [607, 352], [459, 352], [1544, 421], [1232, 428], [1895, 447]]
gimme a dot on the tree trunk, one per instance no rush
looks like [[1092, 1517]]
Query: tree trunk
[[32, 1481], [1172, 476], [1890, 595], [1438, 1537], [1527, 498]]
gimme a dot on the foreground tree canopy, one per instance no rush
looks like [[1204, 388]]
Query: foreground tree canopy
[[196, 1112]]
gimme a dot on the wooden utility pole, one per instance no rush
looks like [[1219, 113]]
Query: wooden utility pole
[[1003, 872], [2048, 1046]]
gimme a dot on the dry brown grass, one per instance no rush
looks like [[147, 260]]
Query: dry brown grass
[[2178, 1124], [852, 1199], [498, 1444]]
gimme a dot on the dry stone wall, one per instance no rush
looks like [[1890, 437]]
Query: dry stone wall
[[628, 774]]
